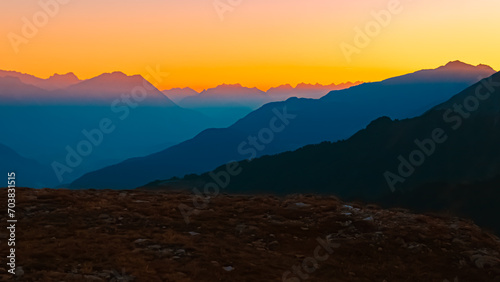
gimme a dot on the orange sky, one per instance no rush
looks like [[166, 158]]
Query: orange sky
[[260, 43]]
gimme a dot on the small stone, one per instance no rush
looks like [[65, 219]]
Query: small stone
[[228, 268], [481, 261], [180, 252]]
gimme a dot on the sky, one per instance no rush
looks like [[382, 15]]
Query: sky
[[257, 43]]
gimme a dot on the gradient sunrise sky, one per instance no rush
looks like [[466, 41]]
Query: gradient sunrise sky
[[259, 43]]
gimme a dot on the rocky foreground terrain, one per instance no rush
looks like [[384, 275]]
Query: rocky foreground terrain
[[90, 235]]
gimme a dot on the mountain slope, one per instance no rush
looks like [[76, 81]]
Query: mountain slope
[[306, 121]]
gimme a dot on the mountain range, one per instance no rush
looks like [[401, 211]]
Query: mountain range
[[57, 81], [229, 102], [49, 125], [237, 94], [294, 123], [56, 111]]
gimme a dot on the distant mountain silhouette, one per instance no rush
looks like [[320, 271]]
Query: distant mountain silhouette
[[304, 90], [226, 95], [29, 173], [100, 90], [106, 88], [177, 94], [228, 103], [237, 95], [336, 116], [42, 123], [57, 81]]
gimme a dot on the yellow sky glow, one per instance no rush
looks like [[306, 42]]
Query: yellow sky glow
[[258, 43]]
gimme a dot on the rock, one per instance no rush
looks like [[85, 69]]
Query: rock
[[302, 205], [481, 261], [193, 233], [228, 268], [180, 252]]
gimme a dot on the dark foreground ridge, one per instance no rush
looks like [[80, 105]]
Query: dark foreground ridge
[[141, 236]]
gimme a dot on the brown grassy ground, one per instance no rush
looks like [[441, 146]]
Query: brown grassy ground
[[141, 236]]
